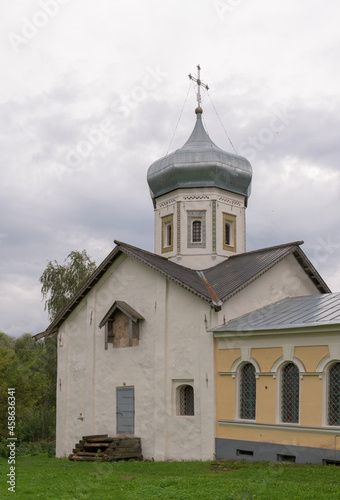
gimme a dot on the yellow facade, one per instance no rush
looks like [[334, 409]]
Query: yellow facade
[[310, 431]]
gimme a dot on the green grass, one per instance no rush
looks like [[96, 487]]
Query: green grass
[[43, 477]]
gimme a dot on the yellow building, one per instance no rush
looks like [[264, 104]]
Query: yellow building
[[277, 376]]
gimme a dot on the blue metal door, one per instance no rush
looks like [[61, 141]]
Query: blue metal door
[[125, 410]]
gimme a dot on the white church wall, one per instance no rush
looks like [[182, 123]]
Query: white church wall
[[90, 373], [131, 366], [72, 405], [189, 361], [173, 326], [285, 279]]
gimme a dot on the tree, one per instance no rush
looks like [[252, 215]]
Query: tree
[[21, 368], [61, 282], [6, 341]]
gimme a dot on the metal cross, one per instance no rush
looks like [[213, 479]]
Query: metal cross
[[199, 83]]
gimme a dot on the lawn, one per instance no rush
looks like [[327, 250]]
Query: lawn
[[43, 477]]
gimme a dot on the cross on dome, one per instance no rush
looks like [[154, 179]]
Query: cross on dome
[[199, 84]]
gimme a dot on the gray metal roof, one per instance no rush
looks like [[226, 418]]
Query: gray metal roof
[[213, 285], [200, 163], [238, 271], [293, 312]]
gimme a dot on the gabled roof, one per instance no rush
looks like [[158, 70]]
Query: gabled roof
[[291, 312], [120, 305], [238, 271], [214, 285]]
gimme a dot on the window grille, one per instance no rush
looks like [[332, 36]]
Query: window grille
[[227, 234], [168, 235], [186, 400], [290, 394], [197, 231], [248, 392], [334, 395]]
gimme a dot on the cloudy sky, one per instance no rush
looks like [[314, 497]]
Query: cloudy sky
[[91, 94]]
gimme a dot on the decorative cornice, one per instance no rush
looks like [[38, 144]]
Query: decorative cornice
[[230, 201], [163, 204], [280, 427], [193, 197]]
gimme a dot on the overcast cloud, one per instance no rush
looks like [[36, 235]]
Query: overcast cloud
[[91, 95]]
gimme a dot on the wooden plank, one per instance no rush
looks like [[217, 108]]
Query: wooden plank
[[94, 436], [125, 442], [96, 445], [101, 440]]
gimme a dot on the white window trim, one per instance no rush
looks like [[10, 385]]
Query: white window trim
[[176, 385]]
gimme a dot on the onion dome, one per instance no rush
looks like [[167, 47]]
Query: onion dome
[[200, 163]]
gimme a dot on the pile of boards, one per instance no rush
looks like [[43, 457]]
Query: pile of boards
[[103, 448]]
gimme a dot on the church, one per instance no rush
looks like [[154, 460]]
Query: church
[[188, 348]]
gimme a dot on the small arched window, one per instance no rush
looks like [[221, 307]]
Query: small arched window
[[186, 400], [290, 394], [248, 392], [334, 395], [167, 233], [197, 231]]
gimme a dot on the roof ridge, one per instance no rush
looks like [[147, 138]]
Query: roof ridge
[[274, 247], [153, 254], [121, 243]]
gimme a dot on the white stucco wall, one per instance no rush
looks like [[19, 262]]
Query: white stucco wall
[[172, 338], [285, 279]]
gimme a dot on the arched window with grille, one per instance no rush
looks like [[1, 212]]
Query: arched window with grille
[[247, 392], [290, 394], [334, 395], [186, 400]]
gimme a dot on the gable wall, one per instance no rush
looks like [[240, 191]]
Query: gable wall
[[173, 345], [285, 279]]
